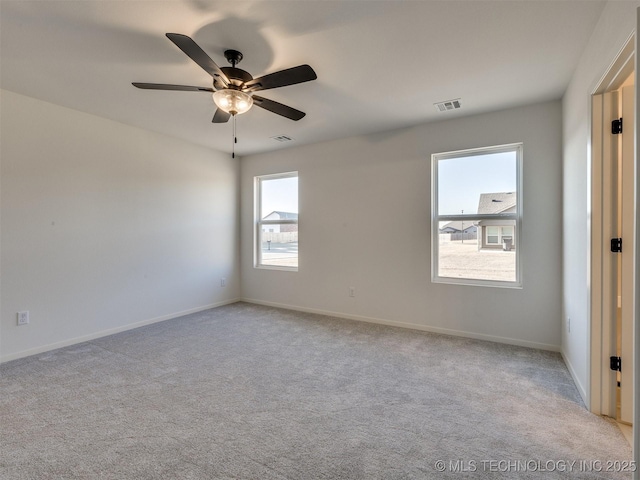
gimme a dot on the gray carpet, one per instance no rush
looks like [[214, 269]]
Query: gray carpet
[[250, 392]]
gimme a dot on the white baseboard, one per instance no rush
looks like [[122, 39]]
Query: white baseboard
[[413, 326], [360, 318], [111, 331], [581, 390]]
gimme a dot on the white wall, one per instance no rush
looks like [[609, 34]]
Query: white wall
[[106, 226], [611, 33], [347, 186]]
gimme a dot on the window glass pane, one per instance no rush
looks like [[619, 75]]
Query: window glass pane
[[279, 195], [492, 234], [465, 182], [277, 221], [279, 245], [477, 213], [463, 260], [507, 233]]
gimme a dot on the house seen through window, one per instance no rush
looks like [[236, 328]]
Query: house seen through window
[[477, 216], [277, 221]]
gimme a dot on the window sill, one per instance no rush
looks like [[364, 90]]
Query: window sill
[[276, 267], [470, 282]]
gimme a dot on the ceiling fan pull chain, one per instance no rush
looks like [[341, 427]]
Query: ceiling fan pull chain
[[235, 139]]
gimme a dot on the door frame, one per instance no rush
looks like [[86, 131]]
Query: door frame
[[599, 292], [602, 298]]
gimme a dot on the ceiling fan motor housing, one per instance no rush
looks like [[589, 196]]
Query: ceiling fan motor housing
[[236, 76]]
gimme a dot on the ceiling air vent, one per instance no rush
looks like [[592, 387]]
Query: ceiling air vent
[[282, 138], [448, 105]]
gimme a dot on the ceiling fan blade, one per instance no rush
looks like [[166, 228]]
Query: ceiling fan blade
[[278, 108], [195, 53], [290, 76], [163, 86], [221, 116]]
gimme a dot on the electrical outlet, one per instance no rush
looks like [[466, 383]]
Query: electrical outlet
[[23, 317], [352, 291], [568, 325], [223, 282]]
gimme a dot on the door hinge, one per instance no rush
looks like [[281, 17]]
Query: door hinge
[[616, 245], [615, 363], [616, 126]]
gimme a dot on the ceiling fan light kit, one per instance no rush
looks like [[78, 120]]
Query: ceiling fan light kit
[[233, 88], [231, 101]]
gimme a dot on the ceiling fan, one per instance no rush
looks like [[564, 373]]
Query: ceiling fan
[[233, 88]]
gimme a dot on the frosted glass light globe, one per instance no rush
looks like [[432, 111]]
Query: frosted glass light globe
[[232, 101]]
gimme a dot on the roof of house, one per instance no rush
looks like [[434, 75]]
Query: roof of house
[[282, 215], [457, 225], [496, 202]]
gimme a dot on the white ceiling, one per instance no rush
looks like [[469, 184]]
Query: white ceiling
[[381, 65]]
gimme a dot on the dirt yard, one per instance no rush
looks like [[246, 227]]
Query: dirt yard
[[459, 260]]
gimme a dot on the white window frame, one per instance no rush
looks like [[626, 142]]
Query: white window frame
[[500, 235], [436, 218], [260, 223]]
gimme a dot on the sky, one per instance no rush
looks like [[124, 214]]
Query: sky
[[279, 194], [461, 180]]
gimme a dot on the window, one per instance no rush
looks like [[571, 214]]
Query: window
[[493, 235], [277, 221], [498, 235], [481, 188]]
